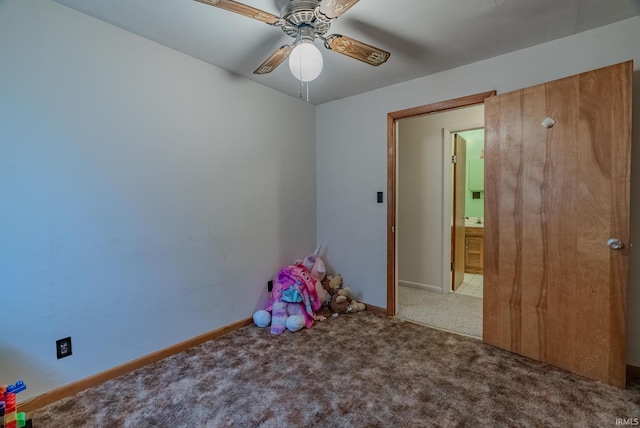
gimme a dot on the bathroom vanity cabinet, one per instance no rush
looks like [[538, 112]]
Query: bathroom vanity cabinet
[[474, 249]]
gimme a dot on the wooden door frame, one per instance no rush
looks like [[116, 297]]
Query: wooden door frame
[[392, 117]]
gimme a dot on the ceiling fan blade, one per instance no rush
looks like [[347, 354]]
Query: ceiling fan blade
[[243, 9], [274, 60], [334, 8], [356, 49]]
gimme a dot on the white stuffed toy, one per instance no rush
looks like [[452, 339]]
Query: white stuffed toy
[[294, 321]]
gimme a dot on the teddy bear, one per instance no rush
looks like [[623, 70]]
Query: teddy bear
[[331, 283], [341, 301]]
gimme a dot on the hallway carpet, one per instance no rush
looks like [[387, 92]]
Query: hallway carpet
[[450, 312]]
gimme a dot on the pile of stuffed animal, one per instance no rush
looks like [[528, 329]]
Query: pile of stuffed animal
[[299, 291]]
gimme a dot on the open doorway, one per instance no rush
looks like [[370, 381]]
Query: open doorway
[[538, 260], [420, 216]]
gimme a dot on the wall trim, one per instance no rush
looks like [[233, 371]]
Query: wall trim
[[376, 309], [419, 286], [99, 378], [633, 372]]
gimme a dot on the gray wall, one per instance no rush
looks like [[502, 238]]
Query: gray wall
[[351, 149], [146, 197]]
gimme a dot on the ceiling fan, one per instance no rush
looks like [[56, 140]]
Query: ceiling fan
[[306, 20]]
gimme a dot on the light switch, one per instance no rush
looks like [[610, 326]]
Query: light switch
[[380, 197]]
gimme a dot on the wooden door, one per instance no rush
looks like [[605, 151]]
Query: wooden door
[[553, 289], [457, 241]]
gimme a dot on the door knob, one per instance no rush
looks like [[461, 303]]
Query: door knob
[[615, 244]]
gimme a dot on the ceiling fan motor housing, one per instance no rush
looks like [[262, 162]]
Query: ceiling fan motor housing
[[299, 14]]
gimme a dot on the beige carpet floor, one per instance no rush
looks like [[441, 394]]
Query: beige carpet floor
[[450, 312], [357, 370]]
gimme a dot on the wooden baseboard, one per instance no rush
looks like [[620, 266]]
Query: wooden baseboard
[[419, 286], [376, 309], [633, 372], [97, 379]]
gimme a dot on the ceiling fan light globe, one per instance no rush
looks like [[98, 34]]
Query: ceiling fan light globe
[[305, 61]]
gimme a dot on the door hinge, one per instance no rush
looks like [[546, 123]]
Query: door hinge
[[454, 159], [453, 266], [393, 229]]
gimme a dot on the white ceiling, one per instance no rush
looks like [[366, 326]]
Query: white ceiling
[[423, 36]]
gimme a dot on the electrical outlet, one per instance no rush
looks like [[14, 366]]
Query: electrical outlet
[[63, 347]]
